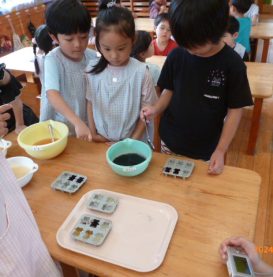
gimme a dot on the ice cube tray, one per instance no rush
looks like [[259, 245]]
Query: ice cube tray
[[102, 203], [69, 182], [91, 229], [178, 168]]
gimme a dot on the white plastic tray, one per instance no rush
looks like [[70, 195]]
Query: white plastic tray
[[140, 235]]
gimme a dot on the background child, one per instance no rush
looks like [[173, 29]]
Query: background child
[[118, 85], [163, 44], [253, 12], [64, 88], [10, 90], [144, 49], [204, 84], [157, 7], [237, 9], [44, 43], [231, 35], [259, 266]]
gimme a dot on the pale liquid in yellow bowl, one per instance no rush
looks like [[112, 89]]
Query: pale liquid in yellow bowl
[[20, 170], [45, 141]]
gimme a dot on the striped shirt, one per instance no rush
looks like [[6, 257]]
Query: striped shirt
[[22, 251]]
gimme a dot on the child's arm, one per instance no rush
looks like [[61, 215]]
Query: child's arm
[[139, 130], [231, 124], [160, 106], [95, 136], [57, 101], [17, 107]]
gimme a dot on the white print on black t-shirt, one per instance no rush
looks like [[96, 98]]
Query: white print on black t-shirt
[[216, 78], [211, 96]]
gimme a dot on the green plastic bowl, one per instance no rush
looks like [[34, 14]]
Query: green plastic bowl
[[129, 146]]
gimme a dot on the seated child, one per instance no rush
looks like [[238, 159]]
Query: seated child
[[230, 36], [64, 88], [204, 85], [237, 9], [10, 90], [157, 7], [143, 49], [253, 13], [118, 85], [163, 44]]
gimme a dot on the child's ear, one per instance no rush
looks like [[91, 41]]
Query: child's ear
[[235, 35]]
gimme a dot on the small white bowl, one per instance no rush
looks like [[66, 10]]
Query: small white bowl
[[23, 169], [4, 145]]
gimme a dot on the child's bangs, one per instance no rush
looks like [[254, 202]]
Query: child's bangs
[[74, 24]]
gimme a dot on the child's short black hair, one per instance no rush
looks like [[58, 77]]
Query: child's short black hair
[[142, 43], [197, 22], [112, 17], [67, 17], [233, 25], [161, 17], [242, 6]]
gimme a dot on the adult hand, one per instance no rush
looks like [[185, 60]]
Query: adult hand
[[239, 242], [3, 118]]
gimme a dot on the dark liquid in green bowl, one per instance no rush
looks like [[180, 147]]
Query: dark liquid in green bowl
[[129, 159]]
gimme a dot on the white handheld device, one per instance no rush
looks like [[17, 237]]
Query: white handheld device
[[238, 263]]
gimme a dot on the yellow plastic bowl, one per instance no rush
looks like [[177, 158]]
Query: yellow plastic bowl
[[30, 137]]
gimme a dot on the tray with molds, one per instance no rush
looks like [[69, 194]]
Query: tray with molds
[[91, 229], [141, 231], [69, 182], [178, 168], [102, 203]]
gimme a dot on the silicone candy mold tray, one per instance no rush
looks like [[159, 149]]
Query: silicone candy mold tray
[[178, 168], [91, 229], [69, 182]]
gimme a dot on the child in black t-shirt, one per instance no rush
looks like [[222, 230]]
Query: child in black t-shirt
[[204, 84]]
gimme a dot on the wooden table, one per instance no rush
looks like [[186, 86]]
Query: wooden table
[[260, 76], [210, 208], [145, 24], [263, 31], [21, 61]]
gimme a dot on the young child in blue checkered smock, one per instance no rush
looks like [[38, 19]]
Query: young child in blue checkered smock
[[64, 88], [118, 86]]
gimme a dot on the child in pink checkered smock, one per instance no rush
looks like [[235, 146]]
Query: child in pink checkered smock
[[118, 86]]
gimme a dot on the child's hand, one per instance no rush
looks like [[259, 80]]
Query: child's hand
[[148, 111], [82, 131], [216, 163], [19, 128], [247, 246], [99, 138]]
